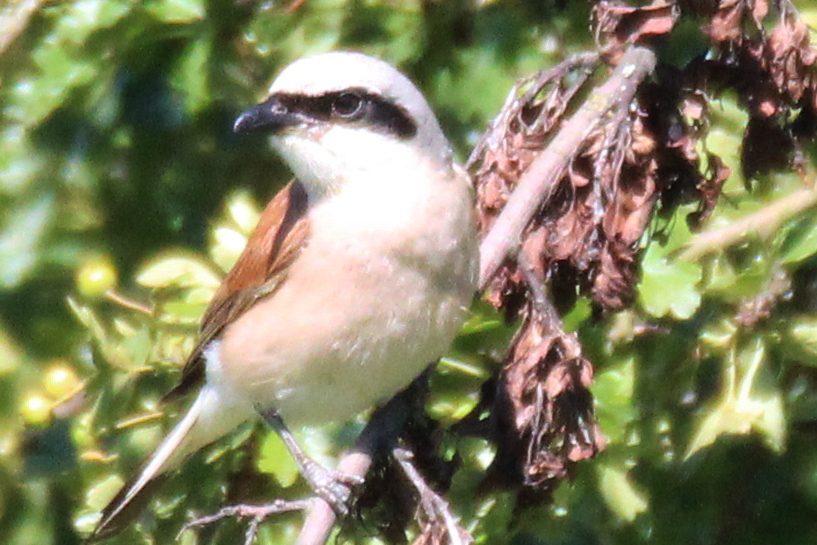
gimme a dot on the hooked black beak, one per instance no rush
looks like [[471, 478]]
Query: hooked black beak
[[269, 116]]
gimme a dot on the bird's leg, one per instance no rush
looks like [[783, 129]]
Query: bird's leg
[[332, 486]]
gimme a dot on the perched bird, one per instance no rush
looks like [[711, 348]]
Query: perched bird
[[358, 275]]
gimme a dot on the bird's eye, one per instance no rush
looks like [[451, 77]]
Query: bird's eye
[[346, 104]]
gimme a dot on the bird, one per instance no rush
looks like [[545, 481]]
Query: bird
[[358, 275]]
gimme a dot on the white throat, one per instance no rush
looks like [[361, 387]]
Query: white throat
[[327, 159]]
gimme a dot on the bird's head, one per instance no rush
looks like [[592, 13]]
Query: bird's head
[[338, 113]]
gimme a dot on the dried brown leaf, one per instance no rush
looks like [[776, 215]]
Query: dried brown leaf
[[629, 24], [725, 24]]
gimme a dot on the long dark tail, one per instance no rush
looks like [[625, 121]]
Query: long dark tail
[[135, 494]]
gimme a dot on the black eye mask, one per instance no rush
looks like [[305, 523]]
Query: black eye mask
[[353, 107]]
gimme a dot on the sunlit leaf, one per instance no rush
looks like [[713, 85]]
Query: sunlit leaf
[[227, 246], [803, 331], [87, 316], [801, 242], [243, 210], [10, 354], [669, 287], [275, 459], [178, 270], [136, 347], [177, 11], [98, 495], [182, 312], [190, 78], [753, 404], [719, 335], [21, 233], [60, 72], [85, 16], [613, 391], [620, 494]]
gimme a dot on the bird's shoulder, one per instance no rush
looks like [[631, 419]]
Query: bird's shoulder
[[281, 233]]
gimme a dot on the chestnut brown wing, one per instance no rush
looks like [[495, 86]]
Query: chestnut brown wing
[[262, 267]]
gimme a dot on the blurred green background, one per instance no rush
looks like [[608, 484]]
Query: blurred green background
[[124, 195]]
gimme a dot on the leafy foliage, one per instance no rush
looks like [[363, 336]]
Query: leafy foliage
[[124, 196]]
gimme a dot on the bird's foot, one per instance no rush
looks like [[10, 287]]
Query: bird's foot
[[256, 513], [332, 486]]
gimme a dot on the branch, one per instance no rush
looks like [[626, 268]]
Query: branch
[[764, 222], [537, 184]]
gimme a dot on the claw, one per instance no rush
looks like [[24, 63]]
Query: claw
[[332, 486]]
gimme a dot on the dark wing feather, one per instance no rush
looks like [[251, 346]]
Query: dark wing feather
[[273, 246]]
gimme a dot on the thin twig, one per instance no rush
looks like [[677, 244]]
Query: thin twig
[[537, 184], [257, 514], [764, 222], [127, 302], [294, 5], [539, 297], [433, 505]]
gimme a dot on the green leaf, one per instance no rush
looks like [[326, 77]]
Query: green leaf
[[669, 287], [803, 332], [177, 11], [801, 241], [719, 335], [19, 162], [613, 391], [135, 348], [480, 323], [20, 237], [228, 243], [620, 494], [243, 210], [231, 443], [178, 270], [87, 317], [190, 77], [580, 312], [717, 421], [59, 72], [275, 459], [182, 312], [755, 404], [10, 354], [761, 413], [99, 494], [86, 16]]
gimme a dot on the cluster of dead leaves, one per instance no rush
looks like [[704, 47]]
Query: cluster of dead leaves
[[585, 237], [773, 71], [643, 158]]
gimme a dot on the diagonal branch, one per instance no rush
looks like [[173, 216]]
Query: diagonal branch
[[537, 184]]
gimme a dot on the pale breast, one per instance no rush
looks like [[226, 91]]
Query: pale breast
[[363, 311]]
